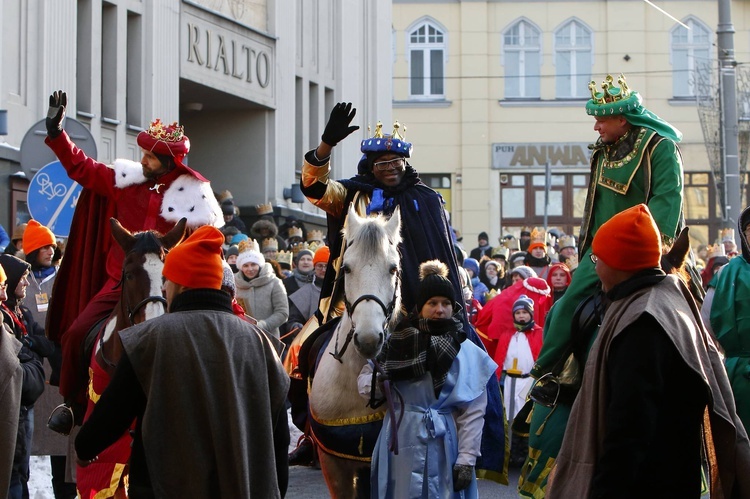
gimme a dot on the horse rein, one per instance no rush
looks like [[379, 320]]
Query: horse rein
[[388, 390], [387, 310]]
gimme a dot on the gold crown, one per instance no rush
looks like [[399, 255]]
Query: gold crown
[[296, 248], [715, 250], [167, 133], [314, 245], [571, 262], [610, 92], [396, 131], [490, 295], [538, 236], [264, 209], [285, 257], [269, 244], [511, 244], [314, 235], [248, 245], [727, 235], [294, 232], [501, 251], [566, 242]]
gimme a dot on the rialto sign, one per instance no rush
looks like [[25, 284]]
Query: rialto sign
[[227, 56], [537, 155]]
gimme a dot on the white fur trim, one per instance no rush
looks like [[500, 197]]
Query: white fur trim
[[190, 198], [128, 173]]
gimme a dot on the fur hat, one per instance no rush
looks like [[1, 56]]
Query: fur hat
[[260, 225], [524, 303], [197, 261], [629, 241], [433, 276], [523, 271], [37, 236]]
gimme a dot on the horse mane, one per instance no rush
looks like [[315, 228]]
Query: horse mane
[[368, 238]]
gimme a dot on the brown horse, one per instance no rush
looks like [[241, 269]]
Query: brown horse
[[141, 299]]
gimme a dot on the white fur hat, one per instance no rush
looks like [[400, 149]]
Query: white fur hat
[[251, 256]]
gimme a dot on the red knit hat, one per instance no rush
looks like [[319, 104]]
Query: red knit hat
[[322, 255], [196, 262], [629, 241], [37, 236]]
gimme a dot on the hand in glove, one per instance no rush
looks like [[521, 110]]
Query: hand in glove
[[58, 101], [337, 128], [462, 475]]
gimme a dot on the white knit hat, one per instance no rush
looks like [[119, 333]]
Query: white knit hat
[[250, 256]]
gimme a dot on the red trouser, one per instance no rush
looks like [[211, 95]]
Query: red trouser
[[72, 381]]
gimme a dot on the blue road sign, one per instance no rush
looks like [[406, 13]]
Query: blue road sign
[[52, 198]]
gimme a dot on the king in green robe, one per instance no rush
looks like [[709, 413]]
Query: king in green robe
[[636, 160]]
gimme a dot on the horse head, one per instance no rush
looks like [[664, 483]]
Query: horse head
[[371, 270], [141, 282]]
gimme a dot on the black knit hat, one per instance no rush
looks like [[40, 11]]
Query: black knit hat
[[433, 275]]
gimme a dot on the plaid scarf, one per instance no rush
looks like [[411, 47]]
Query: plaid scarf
[[421, 345]]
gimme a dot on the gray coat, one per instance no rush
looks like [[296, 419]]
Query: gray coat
[[213, 384], [263, 298], [11, 379]]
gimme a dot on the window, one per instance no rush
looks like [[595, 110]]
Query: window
[[573, 60], [522, 55], [426, 46], [691, 49]]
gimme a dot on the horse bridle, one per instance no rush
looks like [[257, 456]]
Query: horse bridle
[[387, 310], [149, 299]]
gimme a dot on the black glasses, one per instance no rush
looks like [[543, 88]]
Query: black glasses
[[391, 164], [594, 258]]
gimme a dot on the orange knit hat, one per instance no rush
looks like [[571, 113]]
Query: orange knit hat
[[537, 244], [322, 255], [629, 241], [37, 236], [196, 262]]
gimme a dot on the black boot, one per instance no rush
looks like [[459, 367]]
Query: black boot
[[304, 454], [62, 419]]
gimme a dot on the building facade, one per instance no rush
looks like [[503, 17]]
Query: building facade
[[493, 91], [252, 81]]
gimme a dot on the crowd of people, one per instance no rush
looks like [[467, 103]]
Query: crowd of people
[[604, 357]]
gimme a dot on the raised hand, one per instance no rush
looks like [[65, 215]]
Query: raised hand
[[338, 126], [58, 101]]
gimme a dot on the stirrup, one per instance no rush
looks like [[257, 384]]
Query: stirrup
[[62, 420]]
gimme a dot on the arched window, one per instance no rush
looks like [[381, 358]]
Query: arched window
[[522, 54], [426, 46], [574, 54], [691, 50]]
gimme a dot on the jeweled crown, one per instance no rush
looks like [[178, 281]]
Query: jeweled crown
[[167, 133], [610, 93]]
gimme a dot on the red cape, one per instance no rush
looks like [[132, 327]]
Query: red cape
[[82, 272], [495, 320]]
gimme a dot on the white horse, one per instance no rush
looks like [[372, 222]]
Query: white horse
[[344, 428]]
